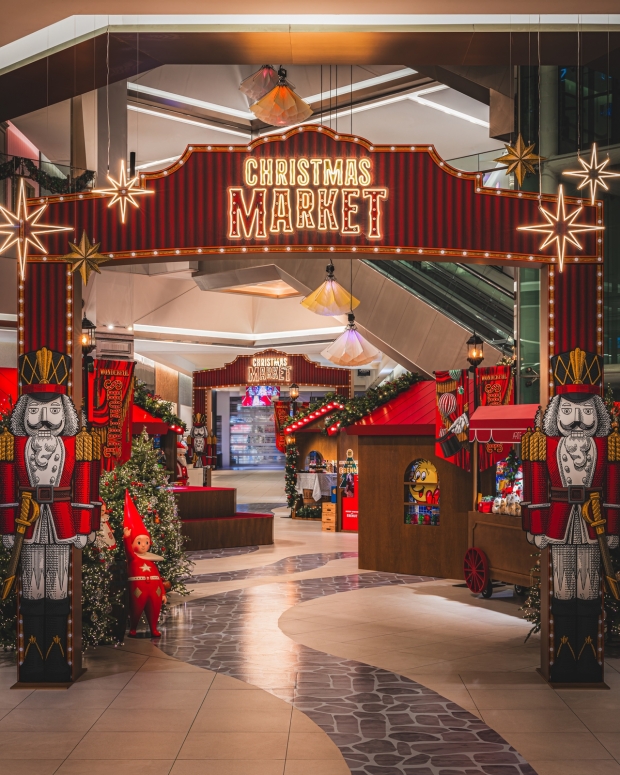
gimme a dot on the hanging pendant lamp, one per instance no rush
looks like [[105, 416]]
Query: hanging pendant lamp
[[330, 298], [350, 349], [281, 106], [260, 83]]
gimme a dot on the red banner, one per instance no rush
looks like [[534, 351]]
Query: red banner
[[110, 401], [495, 387], [452, 417], [281, 415]]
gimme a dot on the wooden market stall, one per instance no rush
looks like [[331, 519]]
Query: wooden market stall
[[497, 547], [404, 526], [322, 459]]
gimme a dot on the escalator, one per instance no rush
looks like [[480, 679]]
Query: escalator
[[479, 298]]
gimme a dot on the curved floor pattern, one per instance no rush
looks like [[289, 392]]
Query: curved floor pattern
[[295, 564], [216, 554], [383, 723]]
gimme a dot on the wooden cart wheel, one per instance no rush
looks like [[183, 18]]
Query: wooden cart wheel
[[476, 572], [521, 591]]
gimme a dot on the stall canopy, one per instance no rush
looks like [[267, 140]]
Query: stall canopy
[[502, 424], [412, 413], [141, 419]]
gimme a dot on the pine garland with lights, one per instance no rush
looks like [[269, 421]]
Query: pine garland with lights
[[531, 606], [315, 406], [156, 405], [356, 408], [290, 474]]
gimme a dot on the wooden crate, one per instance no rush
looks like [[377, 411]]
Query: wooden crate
[[329, 527]]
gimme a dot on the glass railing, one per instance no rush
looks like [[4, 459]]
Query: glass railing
[[493, 174], [44, 178], [478, 300]]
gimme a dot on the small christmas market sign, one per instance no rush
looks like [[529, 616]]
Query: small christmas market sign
[[310, 189]]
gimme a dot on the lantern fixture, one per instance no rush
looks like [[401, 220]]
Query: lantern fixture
[[475, 351], [88, 337], [293, 392]]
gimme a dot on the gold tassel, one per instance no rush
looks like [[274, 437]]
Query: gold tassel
[[613, 445], [96, 438], [84, 446], [526, 441], [7, 447], [538, 446]]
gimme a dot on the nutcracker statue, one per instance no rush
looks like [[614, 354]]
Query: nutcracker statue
[[572, 505], [147, 591], [197, 442], [49, 503]]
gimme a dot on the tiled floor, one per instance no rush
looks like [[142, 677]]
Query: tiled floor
[[405, 676]]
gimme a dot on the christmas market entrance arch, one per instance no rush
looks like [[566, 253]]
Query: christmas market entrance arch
[[306, 190]]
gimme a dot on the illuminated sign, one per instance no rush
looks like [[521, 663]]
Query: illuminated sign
[[264, 370], [283, 196]]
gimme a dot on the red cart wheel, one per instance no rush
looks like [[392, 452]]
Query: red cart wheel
[[476, 571]]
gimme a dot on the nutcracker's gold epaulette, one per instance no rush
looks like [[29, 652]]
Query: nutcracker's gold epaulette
[[7, 446], [525, 444], [538, 446], [613, 445], [84, 446]]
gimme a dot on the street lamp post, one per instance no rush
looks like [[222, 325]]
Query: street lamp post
[[88, 340], [293, 392], [475, 356]]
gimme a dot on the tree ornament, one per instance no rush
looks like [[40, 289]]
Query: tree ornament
[[561, 228], [85, 257], [23, 229], [520, 159], [593, 174]]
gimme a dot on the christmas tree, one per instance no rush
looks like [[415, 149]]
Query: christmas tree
[[147, 483]]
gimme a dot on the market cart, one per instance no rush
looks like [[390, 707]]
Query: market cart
[[498, 549]]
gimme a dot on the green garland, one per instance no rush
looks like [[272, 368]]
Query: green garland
[[290, 474], [309, 512], [155, 405], [356, 408], [315, 406], [27, 168]]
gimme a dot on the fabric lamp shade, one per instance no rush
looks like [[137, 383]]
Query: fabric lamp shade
[[260, 83], [350, 349], [281, 107], [330, 298]]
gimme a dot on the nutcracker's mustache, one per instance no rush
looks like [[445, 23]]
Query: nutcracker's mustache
[[577, 425], [46, 424]]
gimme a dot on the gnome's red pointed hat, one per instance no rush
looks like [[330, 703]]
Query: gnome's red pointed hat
[[133, 526]]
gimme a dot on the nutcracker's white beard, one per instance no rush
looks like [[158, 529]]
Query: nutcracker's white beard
[[43, 448]]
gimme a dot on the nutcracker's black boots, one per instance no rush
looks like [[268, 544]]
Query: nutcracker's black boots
[[576, 658], [45, 655]]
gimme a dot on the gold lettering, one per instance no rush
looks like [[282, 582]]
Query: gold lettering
[[349, 210], [281, 169], [281, 211], [332, 172], [350, 174], [249, 218], [375, 197], [250, 171], [305, 206], [291, 171], [316, 171], [303, 165], [364, 176], [327, 215], [266, 172]]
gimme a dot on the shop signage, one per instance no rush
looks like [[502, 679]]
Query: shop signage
[[286, 195], [312, 189], [264, 370]]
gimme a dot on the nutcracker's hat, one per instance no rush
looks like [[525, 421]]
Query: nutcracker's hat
[[133, 526], [199, 420], [44, 371], [577, 374]]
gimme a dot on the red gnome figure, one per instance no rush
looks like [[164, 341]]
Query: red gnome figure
[[146, 588]]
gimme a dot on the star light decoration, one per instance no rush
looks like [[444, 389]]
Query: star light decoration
[[23, 229], [85, 257], [123, 191], [520, 159], [561, 228], [593, 174]]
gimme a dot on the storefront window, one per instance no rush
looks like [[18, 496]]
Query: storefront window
[[421, 493]]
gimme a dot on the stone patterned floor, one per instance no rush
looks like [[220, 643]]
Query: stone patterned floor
[[383, 723], [295, 564], [216, 554]]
